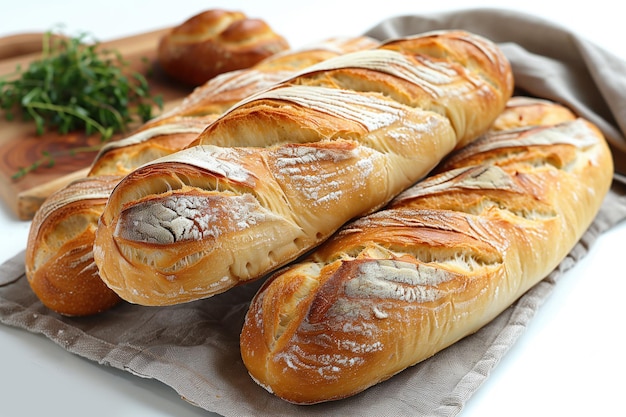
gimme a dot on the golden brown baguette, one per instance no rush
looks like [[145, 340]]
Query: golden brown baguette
[[443, 259], [336, 141], [214, 42], [59, 260], [63, 229]]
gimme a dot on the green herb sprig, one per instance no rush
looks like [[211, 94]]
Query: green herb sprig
[[78, 86]]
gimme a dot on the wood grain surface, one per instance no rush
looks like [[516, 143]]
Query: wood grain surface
[[20, 146]]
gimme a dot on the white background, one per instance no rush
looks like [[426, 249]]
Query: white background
[[569, 361]]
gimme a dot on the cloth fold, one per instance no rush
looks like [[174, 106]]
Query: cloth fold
[[194, 347]]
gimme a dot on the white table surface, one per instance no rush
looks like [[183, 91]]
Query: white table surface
[[570, 360]]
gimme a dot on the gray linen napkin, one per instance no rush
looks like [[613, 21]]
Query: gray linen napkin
[[194, 347]]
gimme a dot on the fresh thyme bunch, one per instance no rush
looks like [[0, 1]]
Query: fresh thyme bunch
[[77, 85]]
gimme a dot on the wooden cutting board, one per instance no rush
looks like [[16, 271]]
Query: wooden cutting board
[[20, 146]]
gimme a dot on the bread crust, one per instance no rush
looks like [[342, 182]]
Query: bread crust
[[333, 142], [214, 42], [59, 259], [177, 128], [442, 260]]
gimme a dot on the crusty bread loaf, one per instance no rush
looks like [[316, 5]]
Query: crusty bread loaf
[[59, 260], [64, 227], [336, 141], [214, 42], [443, 259]]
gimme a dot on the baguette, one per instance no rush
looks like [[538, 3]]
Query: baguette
[[59, 258], [59, 261], [439, 262], [336, 141]]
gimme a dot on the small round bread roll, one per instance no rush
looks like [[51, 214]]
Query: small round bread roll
[[214, 42]]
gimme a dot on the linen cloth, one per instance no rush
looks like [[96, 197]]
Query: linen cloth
[[194, 347]]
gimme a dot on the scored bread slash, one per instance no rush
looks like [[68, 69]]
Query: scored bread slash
[[177, 128], [59, 259]]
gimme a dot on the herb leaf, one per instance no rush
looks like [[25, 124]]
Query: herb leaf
[[78, 85]]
